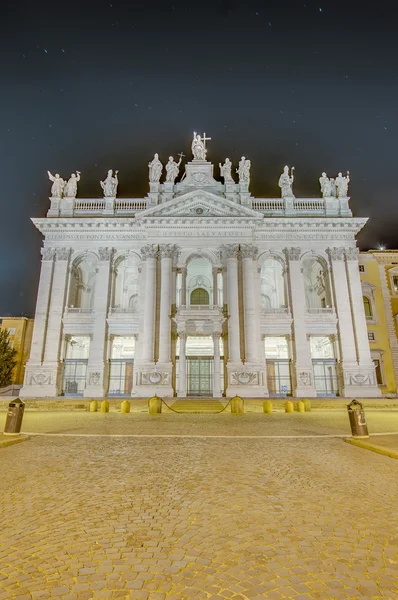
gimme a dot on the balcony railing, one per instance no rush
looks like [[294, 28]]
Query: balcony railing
[[72, 309], [199, 307], [114, 310], [281, 310], [320, 311]]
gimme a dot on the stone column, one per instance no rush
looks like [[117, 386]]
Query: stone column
[[215, 286], [97, 368], [368, 387], [249, 254], [232, 300], [302, 364], [33, 367], [385, 290], [182, 385], [216, 366]]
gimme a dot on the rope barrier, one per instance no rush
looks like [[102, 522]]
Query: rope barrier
[[182, 412]]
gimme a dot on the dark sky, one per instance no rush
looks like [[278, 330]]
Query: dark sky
[[93, 85]]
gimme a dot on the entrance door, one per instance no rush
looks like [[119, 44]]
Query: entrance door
[[199, 376], [325, 377]]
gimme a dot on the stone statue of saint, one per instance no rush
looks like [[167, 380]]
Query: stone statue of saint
[[57, 188], [155, 169], [244, 170], [286, 182], [172, 169], [198, 147], [342, 185], [225, 171], [70, 190], [326, 186], [110, 184]]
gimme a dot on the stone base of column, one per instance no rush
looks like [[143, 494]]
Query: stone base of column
[[42, 381], [97, 381], [305, 387], [246, 381], [359, 382], [153, 380]]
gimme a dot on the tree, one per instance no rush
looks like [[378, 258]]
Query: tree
[[7, 355]]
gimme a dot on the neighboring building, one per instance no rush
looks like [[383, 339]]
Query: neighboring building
[[20, 330], [200, 289], [379, 276]]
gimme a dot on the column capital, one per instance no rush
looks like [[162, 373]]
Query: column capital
[[62, 253], [47, 253], [292, 253], [149, 251], [352, 254], [168, 250], [182, 334], [229, 251], [335, 253], [248, 251], [105, 253], [217, 335]]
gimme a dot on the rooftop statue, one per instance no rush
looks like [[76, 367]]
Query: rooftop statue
[[326, 185], [286, 182], [342, 185], [225, 171], [57, 188], [155, 169], [172, 169], [110, 184], [244, 170], [70, 190], [198, 146]]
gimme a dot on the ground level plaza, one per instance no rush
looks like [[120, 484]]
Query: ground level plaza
[[221, 515]]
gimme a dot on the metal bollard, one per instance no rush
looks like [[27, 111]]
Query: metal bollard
[[300, 406], [356, 414], [14, 417], [155, 405], [105, 406], [307, 405], [289, 408], [237, 406], [125, 407], [93, 406], [267, 407]]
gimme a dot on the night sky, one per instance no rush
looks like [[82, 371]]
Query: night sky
[[93, 85]]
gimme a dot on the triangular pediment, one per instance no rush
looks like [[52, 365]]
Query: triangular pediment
[[200, 204]]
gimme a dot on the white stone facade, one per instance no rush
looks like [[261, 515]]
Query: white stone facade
[[200, 289]]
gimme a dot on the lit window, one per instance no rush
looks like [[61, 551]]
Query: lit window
[[362, 268], [395, 283], [200, 296], [378, 371], [371, 336], [368, 307]]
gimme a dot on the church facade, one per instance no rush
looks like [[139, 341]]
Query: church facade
[[200, 289]]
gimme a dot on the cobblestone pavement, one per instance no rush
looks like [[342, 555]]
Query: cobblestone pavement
[[180, 518]]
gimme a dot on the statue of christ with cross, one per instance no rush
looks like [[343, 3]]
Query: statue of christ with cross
[[199, 149]]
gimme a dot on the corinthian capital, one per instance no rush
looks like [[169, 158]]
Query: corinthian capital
[[248, 251], [351, 253], [168, 250], [336, 253], [228, 251], [105, 253], [47, 253], [62, 253], [292, 253], [149, 251]]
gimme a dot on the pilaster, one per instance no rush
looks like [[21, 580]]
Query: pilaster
[[182, 383], [303, 374], [97, 368]]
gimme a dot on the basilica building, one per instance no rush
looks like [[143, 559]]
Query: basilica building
[[200, 289]]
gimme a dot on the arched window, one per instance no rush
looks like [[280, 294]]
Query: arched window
[[272, 284], [368, 307], [200, 296], [316, 283]]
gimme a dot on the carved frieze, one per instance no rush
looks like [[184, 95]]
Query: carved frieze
[[154, 378], [244, 378], [95, 378], [39, 379], [305, 378]]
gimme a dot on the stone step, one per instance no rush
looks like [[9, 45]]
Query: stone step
[[199, 405]]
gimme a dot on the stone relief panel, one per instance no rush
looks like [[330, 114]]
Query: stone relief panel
[[244, 378], [95, 378], [39, 379], [305, 378], [154, 378]]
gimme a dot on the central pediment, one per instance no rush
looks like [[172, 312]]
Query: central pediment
[[199, 203]]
